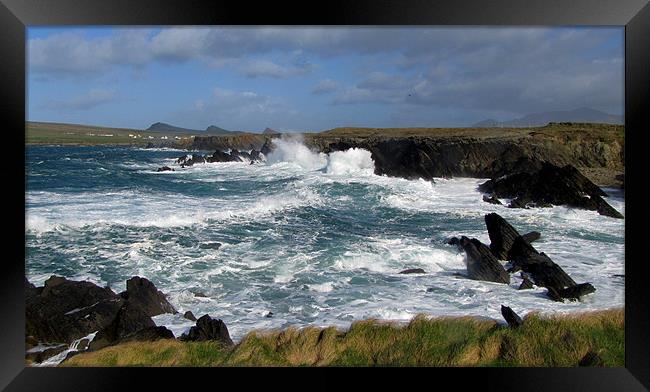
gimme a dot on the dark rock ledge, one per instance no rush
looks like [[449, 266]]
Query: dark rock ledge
[[544, 184], [62, 312], [508, 245]]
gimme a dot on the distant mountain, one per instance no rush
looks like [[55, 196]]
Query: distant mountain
[[163, 127], [211, 130], [540, 119], [269, 131]]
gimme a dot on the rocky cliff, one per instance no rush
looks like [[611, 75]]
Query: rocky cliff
[[597, 150]]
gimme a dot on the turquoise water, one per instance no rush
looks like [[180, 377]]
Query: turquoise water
[[314, 239]]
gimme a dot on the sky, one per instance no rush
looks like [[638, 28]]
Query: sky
[[318, 78]]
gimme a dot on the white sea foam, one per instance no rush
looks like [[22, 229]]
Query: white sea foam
[[281, 253]]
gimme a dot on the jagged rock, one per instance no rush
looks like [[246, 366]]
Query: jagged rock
[[526, 284], [571, 293], [269, 315], [550, 185], [149, 334], [142, 293], [189, 315], [502, 235], [220, 156], [65, 310], [511, 317], [267, 147], [131, 318], [255, 156], [543, 271], [413, 271], [164, 168], [491, 199], [532, 236], [208, 328], [481, 263]]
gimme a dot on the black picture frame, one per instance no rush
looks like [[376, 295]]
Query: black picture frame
[[15, 15]]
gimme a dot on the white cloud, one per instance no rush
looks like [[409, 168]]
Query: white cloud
[[87, 101], [325, 86]]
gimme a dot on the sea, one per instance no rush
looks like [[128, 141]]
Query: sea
[[306, 239]]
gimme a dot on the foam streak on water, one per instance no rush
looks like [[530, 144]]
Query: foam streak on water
[[316, 239]]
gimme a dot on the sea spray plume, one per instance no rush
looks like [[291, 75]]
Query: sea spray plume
[[351, 161], [291, 148]]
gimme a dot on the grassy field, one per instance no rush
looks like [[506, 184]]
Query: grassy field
[[560, 341], [54, 133], [605, 132]]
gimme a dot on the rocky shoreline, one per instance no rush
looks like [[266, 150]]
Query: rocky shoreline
[[65, 317]]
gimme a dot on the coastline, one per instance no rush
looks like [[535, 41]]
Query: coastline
[[594, 338]]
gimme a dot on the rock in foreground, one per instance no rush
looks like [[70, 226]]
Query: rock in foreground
[[207, 328]]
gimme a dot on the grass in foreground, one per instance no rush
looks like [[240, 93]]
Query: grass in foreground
[[559, 341]]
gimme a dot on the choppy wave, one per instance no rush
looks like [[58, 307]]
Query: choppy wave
[[313, 238]]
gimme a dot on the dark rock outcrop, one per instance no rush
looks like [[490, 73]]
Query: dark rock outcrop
[[511, 317], [220, 156], [532, 236], [189, 315], [129, 320], [66, 310], [413, 271], [143, 294], [491, 199], [164, 168], [507, 244], [550, 185], [502, 235], [208, 328], [267, 147], [148, 334], [526, 284], [481, 263]]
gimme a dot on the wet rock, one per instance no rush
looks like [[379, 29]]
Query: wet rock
[[255, 156], [208, 328], [491, 199], [511, 317], [481, 263], [502, 235], [572, 293], [413, 271], [526, 284], [164, 168], [189, 315], [550, 185], [269, 315], [532, 236], [542, 270], [142, 293], [267, 147], [130, 319], [148, 334], [65, 310], [220, 156]]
